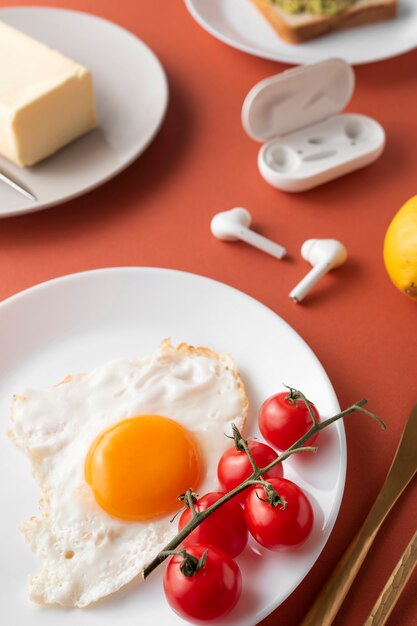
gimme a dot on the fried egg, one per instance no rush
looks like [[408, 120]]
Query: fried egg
[[110, 451]]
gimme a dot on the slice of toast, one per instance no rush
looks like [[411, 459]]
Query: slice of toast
[[298, 27]]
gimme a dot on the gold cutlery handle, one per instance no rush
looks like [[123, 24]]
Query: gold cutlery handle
[[402, 470], [394, 586], [328, 602]]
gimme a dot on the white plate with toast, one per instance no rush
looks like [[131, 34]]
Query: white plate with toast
[[74, 323], [131, 94], [238, 23]]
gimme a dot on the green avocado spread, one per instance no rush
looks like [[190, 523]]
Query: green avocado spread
[[321, 7]]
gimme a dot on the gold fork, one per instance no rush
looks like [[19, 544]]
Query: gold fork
[[394, 585], [402, 470]]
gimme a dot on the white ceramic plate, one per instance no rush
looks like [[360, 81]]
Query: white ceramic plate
[[76, 322], [239, 24], [132, 95]]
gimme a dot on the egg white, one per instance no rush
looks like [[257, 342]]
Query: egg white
[[85, 553]]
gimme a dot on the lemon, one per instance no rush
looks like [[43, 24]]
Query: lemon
[[400, 249]]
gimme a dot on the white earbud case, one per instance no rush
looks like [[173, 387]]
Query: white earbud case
[[308, 140]]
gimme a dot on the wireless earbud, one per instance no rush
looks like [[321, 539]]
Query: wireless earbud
[[234, 224], [324, 255]]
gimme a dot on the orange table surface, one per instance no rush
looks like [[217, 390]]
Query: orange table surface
[[157, 213]]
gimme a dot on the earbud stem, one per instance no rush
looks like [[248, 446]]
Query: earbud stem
[[301, 290], [262, 243]]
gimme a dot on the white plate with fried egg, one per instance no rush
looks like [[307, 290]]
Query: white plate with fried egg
[[131, 92], [92, 327]]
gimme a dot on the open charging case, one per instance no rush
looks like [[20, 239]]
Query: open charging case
[[307, 139]]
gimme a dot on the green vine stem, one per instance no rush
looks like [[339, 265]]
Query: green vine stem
[[190, 564], [256, 477]]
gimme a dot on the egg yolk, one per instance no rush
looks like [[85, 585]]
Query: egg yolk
[[137, 468]]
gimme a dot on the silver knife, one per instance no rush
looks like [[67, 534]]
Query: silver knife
[[17, 186]]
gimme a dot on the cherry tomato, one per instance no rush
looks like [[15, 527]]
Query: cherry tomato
[[282, 420], [210, 592], [275, 527], [234, 466], [225, 528]]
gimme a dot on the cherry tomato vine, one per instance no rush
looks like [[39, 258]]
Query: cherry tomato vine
[[256, 477]]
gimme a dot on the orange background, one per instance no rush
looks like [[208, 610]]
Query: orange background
[[157, 213]]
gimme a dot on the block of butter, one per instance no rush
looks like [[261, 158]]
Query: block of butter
[[46, 99]]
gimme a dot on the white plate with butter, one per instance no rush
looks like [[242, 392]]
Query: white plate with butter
[[131, 96], [84, 329]]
